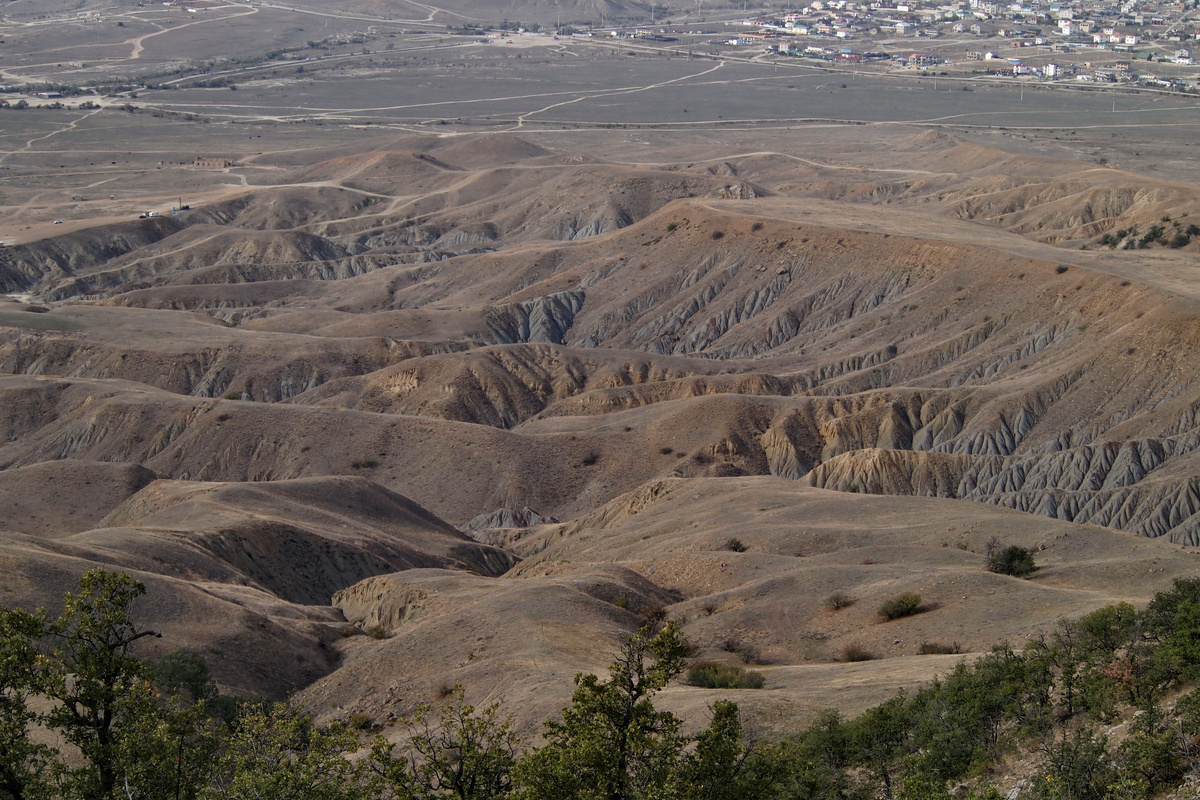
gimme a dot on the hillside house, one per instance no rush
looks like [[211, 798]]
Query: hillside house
[[212, 162]]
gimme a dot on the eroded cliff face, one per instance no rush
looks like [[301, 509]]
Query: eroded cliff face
[[499, 406], [610, 315]]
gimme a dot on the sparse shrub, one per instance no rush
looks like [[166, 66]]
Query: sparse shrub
[[902, 605], [853, 653], [671, 226], [718, 235], [731, 645], [666, 451], [837, 601], [749, 654], [1014, 560], [1180, 240], [758, 226], [653, 616], [366, 463], [590, 459], [711, 675], [1061, 268], [359, 722], [376, 632], [621, 602], [223, 417], [734, 544], [709, 608], [938, 649]]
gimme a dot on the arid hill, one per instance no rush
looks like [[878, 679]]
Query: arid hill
[[718, 390]]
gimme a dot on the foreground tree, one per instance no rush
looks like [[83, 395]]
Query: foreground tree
[[97, 686], [611, 743], [23, 763], [278, 754], [461, 753]]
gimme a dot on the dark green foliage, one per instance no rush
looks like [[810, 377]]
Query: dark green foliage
[[1076, 767], [713, 675], [23, 762], [185, 672], [1188, 711], [611, 742], [1173, 620], [1152, 756], [97, 685], [937, 649], [1014, 560], [278, 754], [902, 605], [453, 752], [880, 738], [734, 545], [713, 770]]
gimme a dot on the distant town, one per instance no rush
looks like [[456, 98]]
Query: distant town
[[1150, 44]]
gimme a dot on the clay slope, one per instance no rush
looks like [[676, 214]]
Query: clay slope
[[355, 213], [320, 378], [1053, 200], [251, 567], [934, 346], [582, 585]]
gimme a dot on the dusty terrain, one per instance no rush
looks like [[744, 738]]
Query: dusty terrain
[[464, 367]]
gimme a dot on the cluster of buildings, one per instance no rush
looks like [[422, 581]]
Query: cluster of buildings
[[1130, 33], [1126, 24]]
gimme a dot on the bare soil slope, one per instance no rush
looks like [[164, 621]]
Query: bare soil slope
[[274, 407]]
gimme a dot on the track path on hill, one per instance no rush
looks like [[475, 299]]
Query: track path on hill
[[522, 119], [70, 126], [138, 42]]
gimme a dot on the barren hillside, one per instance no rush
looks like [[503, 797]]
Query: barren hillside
[[282, 410]]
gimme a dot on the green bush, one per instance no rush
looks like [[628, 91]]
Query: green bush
[[902, 605], [938, 649], [1015, 561], [711, 675]]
